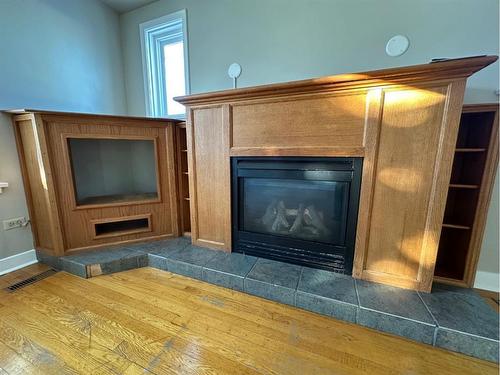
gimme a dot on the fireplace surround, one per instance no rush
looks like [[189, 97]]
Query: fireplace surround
[[403, 122], [299, 210]]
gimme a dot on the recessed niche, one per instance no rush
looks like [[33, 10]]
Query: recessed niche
[[113, 171], [117, 227]]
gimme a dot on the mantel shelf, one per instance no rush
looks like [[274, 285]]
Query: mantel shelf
[[470, 150], [464, 186]]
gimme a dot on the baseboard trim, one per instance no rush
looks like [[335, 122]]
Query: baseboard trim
[[487, 281], [17, 261]]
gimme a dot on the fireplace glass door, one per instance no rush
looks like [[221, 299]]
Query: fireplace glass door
[[300, 210]]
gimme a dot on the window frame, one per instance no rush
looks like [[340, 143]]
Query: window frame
[[154, 35]]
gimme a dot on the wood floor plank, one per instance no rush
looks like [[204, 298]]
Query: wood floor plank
[[179, 351], [274, 331], [216, 354], [14, 364], [150, 321], [75, 350], [81, 336], [38, 355], [357, 347], [321, 327], [236, 331]]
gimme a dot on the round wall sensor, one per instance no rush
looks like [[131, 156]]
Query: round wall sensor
[[234, 70], [397, 45]]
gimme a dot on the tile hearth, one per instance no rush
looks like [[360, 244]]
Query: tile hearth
[[452, 318]]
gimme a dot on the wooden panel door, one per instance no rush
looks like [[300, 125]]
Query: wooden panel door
[[413, 166], [209, 182]]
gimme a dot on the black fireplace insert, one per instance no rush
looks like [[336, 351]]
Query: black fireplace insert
[[297, 210]]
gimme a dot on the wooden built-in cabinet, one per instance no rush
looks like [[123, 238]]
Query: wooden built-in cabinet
[[403, 122], [474, 167], [94, 180]]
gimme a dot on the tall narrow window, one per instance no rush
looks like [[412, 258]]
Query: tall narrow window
[[164, 56]]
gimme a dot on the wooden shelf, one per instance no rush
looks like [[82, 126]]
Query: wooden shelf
[[469, 190], [468, 149], [455, 226], [182, 172], [464, 186]]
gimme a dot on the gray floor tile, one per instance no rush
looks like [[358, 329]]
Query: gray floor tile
[[275, 273], [52, 261], [74, 268], [269, 291], [226, 280], [184, 268], [326, 306], [471, 345], [396, 325], [438, 287], [391, 300], [103, 255], [328, 284], [194, 255], [158, 262], [231, 263], [465, 312], [177, 243]]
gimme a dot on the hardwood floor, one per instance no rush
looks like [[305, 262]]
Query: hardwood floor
[[151, 321]]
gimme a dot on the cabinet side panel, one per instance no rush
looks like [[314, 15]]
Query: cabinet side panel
[[409, 151], [210, 188], [35, 183]]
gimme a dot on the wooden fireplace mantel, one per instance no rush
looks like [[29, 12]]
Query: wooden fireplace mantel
[[402, 121]]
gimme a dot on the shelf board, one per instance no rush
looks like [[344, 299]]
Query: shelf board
[[468, 149], [464, 186], [186, 198], [454, 226], [450, 281]]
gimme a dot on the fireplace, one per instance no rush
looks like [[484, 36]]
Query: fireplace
[[297, 210]]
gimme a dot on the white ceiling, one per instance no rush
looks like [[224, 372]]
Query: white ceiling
[[122, 6]]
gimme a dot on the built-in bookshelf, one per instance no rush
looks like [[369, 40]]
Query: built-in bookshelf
[[183, 174], [474, 166]]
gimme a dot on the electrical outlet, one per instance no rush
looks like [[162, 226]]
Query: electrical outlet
[[15, 223]]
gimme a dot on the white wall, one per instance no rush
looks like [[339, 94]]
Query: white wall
[[282, 40], [60, 55]]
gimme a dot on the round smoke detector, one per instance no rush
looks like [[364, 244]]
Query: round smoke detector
[[397, 45]]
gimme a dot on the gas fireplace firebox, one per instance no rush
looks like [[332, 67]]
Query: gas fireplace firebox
[[297, 210]]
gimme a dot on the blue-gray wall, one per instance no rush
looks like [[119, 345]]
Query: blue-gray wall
[[56, 54]]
